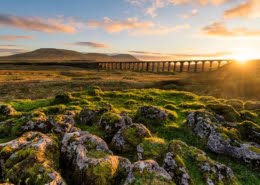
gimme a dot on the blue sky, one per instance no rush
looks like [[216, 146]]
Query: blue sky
[[149, 29]]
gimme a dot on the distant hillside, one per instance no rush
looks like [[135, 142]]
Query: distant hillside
[[62, 55]]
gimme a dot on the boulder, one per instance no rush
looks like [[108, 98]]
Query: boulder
[[242, 151], [148, 173], [89, 160], [151, 114], [29, 159], [208, 127], [89, 116], [128, 137], [151, 148]]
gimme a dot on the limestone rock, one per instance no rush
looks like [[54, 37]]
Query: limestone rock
[[110, 123], [151, 113], [31, 158], [148, 173], [128, 137], [177, 170], [89, 160]]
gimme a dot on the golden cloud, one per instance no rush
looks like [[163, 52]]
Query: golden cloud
[[36, 24], [249, 8], [15, 37], [134, 26], [220, 29]]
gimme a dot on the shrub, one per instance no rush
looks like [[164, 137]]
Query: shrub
[[63, 98]]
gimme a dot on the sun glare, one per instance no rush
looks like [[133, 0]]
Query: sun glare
[[245, 55]]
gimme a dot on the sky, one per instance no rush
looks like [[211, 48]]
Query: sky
[[148, 29]]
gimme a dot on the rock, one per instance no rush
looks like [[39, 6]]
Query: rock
[[151, 148], [243, 152], [58, 124], [34, 153], [110, 123], [227, 111], [89, 160], [148, 173], [201, 123], [128, 137], [176, 168], [7, 110], [213, 172], [151, 114], [208, 127], [89, 117]]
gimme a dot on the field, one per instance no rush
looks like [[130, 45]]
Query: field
[[232, 81], [199, 127]]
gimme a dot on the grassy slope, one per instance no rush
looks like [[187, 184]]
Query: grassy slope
[[62, 55], [129, 101]]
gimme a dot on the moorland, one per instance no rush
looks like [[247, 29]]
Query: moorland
[[68, 125]]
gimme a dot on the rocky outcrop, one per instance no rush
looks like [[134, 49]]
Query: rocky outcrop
[[148, 173], [207, 126], [57, 124], [243, 151], [213, 173], [128, 137], [176, 168], [31, 158], [89, 160]]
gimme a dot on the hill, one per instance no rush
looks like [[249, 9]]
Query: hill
[[62, 55]]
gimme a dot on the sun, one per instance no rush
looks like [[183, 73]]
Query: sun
[[244, 55]]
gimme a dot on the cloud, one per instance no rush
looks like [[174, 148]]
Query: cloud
[[134, 26], [92, 44], [220, 29], [11, 49], [193, 13], [113, 26], [156, 4], [15, 37], [248, 9], [38, 24]]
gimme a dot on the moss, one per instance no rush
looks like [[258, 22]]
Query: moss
[[252, 105], [192, 105], [111, 118], [95, 91], [63, 98], [227, 111], [237, 104], [154, 148], [55, 109], [132, 134], [249, 131], [247, 115], [29, 105], [96, 154], [171, 107], [103, 172], [255, 149]]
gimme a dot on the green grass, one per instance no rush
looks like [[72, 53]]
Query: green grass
[[178, 103]]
